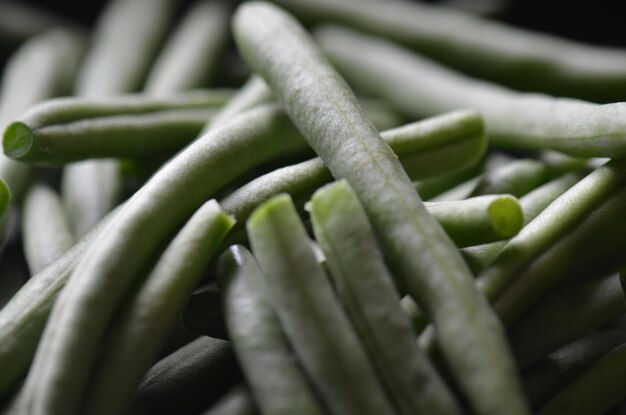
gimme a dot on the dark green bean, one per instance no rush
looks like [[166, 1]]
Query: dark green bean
[[270, 368], [595, 391], [517, 178], [189, 380], [420, 87], [552, 372], [486, 49], [422, 256], [565, 315]]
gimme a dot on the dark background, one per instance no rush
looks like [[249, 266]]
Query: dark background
[[598, 21]]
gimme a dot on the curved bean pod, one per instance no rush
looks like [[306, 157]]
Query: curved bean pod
[[152, 311], [423, 257], [420, 87], [273, 375], [103, 277]]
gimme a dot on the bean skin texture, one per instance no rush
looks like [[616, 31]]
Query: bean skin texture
[[420, 87], [519, 58], [423, 258], [152, 213]]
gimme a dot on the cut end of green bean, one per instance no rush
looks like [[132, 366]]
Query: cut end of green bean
[[5, 197], [506, 216], [17, 140]]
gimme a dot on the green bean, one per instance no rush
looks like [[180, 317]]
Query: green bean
[[423, 146], [550, 374], [533, 203], [565, 315], [66, 110], [310, 314], [42, 68], [430, 189], [104, 275], [557, 225], [272, 373], [548, 266], [479, 219], [520, 58], [191, 56], [153, 135], [203, 313], [21, 21], [518, 120], [23, 318], [381, 114], [415, 313], [46, 232], [152, 311], [517, 178], [236, 402], [253, 93], [190, 379], [423, 258], [371, 301], [90, 190], [595, 391], [127, 37]]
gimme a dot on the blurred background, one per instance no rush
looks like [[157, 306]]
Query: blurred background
[[593, 21]]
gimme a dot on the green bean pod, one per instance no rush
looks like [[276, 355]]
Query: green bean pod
[[422, 146], [188, 380], [517, 178], [152, 311], [152, 135], [533, 203], [253, 93], [422, 256], [368, 294], [317, 328], [23, 318], [420, 87], [43, 67], [238, 401], [517, 57], [565, 315], [595, 391], [480, 219], [550, 374], [46, 232], [103, 277], [272, 373], [127, 37], [192, 54], [555, 225]]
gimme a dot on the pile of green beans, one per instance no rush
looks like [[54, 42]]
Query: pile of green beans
[[406, 240]]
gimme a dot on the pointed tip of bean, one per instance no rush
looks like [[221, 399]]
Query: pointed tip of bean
[[506, 216], [18, 138]]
